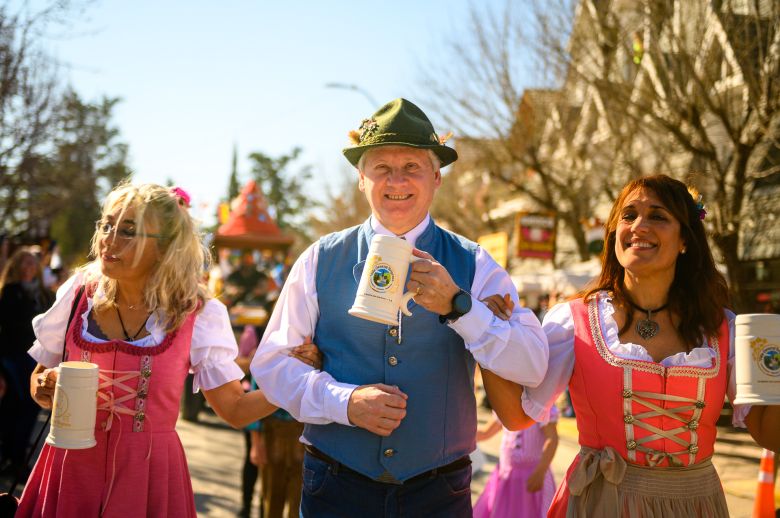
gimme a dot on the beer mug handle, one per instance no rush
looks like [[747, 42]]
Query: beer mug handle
[[408, 295]]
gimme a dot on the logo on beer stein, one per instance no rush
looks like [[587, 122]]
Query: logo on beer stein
[[382, 277], [60, 410], [766, 355]]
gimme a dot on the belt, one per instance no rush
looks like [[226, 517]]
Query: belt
[[338, 466]]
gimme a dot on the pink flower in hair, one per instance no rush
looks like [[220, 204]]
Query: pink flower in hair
[[181, 194]]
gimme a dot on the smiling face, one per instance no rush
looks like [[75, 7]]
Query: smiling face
[[647, 236], [126, 254], [399, 183]]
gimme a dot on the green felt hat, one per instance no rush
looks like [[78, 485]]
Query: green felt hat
[[398, 123]]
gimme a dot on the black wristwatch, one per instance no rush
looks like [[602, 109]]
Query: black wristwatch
[[461, 304]]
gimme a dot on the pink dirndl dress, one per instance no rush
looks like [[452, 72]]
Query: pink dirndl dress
[[505, 494], [138, 467], [646, 431]]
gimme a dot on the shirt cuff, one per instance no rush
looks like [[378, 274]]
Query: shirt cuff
[[473, 324], [535, 411], [216, 375], [337, 401], [46, 358]]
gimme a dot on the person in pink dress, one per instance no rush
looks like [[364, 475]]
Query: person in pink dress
[[145, 317], [522, 484], [648, 356]]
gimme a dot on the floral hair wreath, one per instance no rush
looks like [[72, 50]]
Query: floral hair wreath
[[182, 196], [697, 199]]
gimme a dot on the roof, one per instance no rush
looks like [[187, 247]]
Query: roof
[[249, 225]]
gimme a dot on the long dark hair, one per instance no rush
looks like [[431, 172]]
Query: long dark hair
[[698, 293]]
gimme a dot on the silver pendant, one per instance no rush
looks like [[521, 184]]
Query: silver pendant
[[646, 328]]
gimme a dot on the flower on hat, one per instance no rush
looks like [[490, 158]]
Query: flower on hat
[[182, 196], [367, 128], [445, 138]]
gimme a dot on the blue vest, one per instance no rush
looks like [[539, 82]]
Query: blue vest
[[431, 364]]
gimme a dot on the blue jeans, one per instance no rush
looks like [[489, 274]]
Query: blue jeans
[[337, 493]]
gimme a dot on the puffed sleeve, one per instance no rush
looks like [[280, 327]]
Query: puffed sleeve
[[214, 348], [558, 325], [740, 411], [50, 327]]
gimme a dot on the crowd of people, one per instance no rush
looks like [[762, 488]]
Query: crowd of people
[[371, 419]]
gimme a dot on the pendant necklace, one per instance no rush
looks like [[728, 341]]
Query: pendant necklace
[[647, 327], [121, 323]]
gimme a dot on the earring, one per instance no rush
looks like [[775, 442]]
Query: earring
[[683, 250]]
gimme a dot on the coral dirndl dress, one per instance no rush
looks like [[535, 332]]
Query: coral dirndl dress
[[646, 430], [138, 467]]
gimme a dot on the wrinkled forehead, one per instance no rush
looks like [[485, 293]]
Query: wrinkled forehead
[[396, 153]]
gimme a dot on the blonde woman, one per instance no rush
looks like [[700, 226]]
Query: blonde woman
[[145, 318]]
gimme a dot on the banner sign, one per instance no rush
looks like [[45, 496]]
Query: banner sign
[[497, 245], [535, 234]]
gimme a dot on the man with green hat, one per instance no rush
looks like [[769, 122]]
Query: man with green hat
[[391, 418]]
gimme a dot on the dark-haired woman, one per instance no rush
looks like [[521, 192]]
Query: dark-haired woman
[[648, 357], [22, 296]]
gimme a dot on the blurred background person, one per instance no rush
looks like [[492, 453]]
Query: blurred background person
[[22, 296]]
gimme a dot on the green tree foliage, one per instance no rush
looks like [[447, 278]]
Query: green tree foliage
[[87, 160], [234, 188], [345, 206], [283, 189]]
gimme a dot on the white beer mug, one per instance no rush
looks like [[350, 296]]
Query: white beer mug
[[75, 406], [380, 292], [757, 358]]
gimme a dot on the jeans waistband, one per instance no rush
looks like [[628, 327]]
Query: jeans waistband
[[338, 466]]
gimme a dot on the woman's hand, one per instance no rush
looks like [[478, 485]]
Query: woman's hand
[[500, 306], [308, 353], [257, 452], [42, 383]]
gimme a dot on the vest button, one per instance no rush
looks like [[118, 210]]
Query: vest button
[[700, 404], [393, 331], [631, 445], [626, 393], [393, 361], [694, 424], [389, 452], [693, 448], [628, 419]]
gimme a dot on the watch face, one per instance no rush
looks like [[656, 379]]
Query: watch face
[[461, 303]]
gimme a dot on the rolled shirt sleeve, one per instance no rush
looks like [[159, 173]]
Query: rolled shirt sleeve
[[514, 349], [214, 348]]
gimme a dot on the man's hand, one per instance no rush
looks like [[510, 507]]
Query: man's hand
[[378, 408], [432, 284]]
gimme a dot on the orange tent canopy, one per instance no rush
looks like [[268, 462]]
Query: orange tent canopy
[[249, 225]]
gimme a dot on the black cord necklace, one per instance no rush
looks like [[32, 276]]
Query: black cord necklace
[[122, 323], [647, 327]]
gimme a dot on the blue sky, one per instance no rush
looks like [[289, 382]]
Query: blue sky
[[195, 77]]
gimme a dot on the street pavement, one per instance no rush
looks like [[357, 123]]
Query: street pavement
[[215, 455]]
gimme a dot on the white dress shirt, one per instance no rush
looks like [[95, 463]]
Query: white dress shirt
[[212, 351], [559, 328], [515, 349]]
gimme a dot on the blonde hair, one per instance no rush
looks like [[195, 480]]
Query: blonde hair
[[176, 284]]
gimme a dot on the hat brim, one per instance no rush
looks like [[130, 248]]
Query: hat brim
[[447, 155]]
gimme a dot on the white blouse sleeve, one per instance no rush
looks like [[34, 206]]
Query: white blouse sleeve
[[558, 325], [50, 327], [740, 411], [214, 348]]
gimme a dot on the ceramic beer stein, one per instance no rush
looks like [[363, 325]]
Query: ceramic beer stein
[[757, 359], [380, 292], [75, 406]]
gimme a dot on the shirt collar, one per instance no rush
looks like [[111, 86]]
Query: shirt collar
[[410, 236]]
